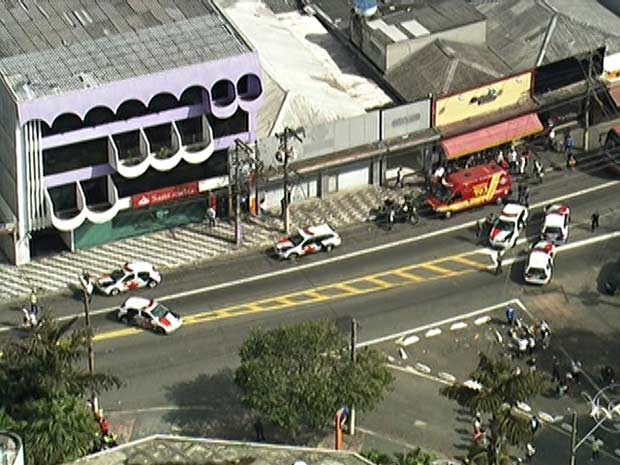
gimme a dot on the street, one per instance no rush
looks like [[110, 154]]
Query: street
[[183, 382]]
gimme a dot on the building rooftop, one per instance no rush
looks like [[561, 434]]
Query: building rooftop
[[445, 67], [49, 47], [179, 450], [320, 78], [521, 35], [416, 20]]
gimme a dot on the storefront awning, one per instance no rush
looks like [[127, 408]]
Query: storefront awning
[[492, 136], [614, 92]]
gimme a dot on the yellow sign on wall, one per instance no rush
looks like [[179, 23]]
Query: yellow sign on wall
[[483, 100]]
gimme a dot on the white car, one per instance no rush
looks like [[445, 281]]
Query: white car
[[506, 229], [539, 266], [308, 240], [149, 314], [128, 277], [555, 225]]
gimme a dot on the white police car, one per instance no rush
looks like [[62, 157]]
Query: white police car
[[505, 231], [128, 277], [555, 225], [539, 266], [149, 314], [308, 240]]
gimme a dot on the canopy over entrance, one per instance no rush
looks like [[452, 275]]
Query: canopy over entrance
[[492, 136]]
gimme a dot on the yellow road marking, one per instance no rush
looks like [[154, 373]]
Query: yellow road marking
[[403, 273], [349, 289], [344, 289], [468, 262], [379, 282], [437, 269]]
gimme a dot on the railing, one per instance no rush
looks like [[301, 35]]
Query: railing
[[11, 449]]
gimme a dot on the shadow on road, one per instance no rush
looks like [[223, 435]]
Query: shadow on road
[[210, 406]]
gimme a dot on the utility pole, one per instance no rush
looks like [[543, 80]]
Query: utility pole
[[284, 153], [573, 440], [586, 129], [353, 359], [239, 166], [87, 291]]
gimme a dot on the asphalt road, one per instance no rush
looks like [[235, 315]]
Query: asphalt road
[[185, 379]]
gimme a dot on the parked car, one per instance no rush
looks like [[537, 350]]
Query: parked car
[[555, 224], [506, 229], [308, 240], [128, 277], [539, 266], [149, 314]]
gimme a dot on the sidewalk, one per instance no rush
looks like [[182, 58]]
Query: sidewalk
[[189, 244]]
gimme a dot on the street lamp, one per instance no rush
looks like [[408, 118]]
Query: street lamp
[[605, 407], [241, 167], [284, 153], [87, 293]]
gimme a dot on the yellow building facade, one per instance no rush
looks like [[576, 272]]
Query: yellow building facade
[[483, 100]]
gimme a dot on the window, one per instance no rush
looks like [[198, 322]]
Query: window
[[128, 278]]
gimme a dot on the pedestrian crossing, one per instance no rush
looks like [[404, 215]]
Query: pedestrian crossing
[[183, 245]]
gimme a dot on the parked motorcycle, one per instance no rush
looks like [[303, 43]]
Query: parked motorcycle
[[391, 212]]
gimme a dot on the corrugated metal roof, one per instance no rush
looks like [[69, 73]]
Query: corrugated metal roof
[[445, 67], [47, 45]]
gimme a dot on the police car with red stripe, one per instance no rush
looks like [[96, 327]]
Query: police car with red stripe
[[539, 266], [128, 277], [308, 240], [555, 225], [506, 229], [149, 314]]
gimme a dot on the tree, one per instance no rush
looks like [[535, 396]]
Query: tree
[[43, 384], [299, 376], [495, 388], [412, 457]]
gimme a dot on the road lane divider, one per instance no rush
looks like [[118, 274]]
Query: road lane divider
[[336, 258], [442, 268]]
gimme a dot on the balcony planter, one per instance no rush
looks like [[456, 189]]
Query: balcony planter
[[164, 153]]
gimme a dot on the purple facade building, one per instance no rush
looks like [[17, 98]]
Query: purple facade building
[[116, 118]]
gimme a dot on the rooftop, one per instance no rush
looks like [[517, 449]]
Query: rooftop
[[318, 76], [445, 67], [49, 47], [179, 450], [416, 19]]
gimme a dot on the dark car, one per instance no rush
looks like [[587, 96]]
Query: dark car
[[612, 284]]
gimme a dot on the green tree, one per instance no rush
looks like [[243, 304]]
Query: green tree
[[495, 388], [299, 376], [410, 457], [43, 386]]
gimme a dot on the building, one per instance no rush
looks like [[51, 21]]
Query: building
[[115, 117], [192, 451]]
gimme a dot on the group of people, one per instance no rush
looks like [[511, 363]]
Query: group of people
[[527, 338]]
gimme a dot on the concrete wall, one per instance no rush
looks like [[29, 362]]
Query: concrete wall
[[396, 53], [324, 139], [8, 168], [405, 119]]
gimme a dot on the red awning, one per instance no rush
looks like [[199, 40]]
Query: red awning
[[492, 136]]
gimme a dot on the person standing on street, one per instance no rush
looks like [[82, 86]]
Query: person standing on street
[[511, 314], [595, 217], [534, 424], [211, 214], [596, 448], [555, 371], [522, 164], [576, 368], [34, 306], [529, 452], [479, 225], [399, 177], [539, 170], [259, 430], [498, 263]]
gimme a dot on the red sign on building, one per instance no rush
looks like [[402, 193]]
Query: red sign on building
[[167, 194]]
